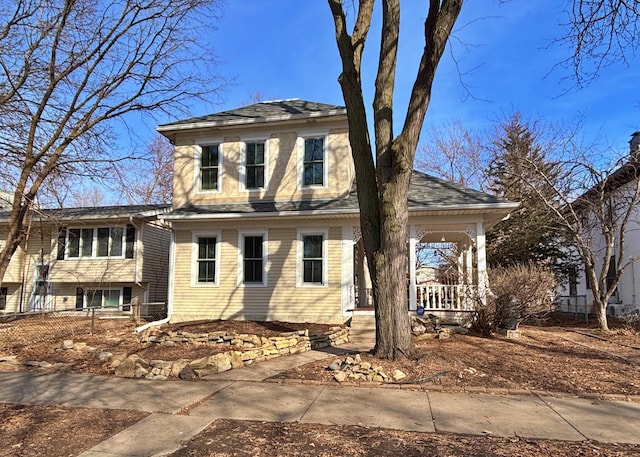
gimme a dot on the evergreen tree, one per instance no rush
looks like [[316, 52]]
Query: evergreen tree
[[520, 171]]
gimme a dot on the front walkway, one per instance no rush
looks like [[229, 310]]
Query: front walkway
[[183, 409]]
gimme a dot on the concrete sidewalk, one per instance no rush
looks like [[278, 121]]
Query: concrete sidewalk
[[200, 403]]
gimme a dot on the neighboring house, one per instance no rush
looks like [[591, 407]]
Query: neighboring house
[[266, 226], [76, 258], [575, 295]]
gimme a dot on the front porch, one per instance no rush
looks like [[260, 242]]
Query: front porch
[[447, 271]]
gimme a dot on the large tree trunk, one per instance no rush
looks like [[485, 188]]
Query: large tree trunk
[[393, 330], [383, 187], [600, 308]]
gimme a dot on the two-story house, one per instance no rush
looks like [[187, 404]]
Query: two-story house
[[616, 194], [266, 227], [76, 258]]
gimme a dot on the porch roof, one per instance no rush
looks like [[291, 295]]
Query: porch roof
[[427, 194]]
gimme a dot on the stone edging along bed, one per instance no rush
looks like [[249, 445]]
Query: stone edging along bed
[[244, 349]]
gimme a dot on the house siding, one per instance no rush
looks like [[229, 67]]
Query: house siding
[[65, 276], [154, 252], [283, 180], [279, 300]]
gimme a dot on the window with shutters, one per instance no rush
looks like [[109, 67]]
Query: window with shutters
[[116, 242]]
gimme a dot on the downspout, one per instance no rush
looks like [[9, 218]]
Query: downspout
[[172, 260]]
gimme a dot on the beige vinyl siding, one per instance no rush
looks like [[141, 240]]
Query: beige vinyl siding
[[13, 298], [154, 252], [282, 172], [279, 300]]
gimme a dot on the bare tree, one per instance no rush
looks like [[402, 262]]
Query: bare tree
[[601, 32], [151, 179], [453, 152], [597, 221], [69, 68], [383, 183]]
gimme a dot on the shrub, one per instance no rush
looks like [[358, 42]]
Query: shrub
[[517, 292]]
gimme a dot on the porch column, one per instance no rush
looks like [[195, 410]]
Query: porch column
[[412, 268], [347, 269], [460, 263], [468, 253], [482, 261]]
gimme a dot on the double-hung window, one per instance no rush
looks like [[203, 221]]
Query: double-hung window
[[255, 165], [209, 167], [253, 258], [206, 258], [312, 258], [313, 163]]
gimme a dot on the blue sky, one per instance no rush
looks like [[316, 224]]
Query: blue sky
[[504, 53]]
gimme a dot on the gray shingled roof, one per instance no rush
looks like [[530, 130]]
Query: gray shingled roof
[[99, 212], [426, 193], [260, 112]]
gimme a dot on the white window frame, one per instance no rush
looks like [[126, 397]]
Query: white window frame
[[197, 158], [94, 243], [243, 163], [120, 290], [195, 235], [265, 257], [302, 136], [324, 232]]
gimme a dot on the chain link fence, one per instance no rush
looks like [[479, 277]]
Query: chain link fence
[[19, 330]]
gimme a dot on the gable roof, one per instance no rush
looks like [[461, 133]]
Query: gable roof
[[426, 194], [277, 110]]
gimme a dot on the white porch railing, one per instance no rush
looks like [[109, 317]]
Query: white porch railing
[[445, 297]]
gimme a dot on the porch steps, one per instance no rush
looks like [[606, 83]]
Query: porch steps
[[363, 329]]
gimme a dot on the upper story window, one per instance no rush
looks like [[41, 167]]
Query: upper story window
[[312, 160], [205, 258], [253, 258], [210, 167], [255, 165], [96, 242]]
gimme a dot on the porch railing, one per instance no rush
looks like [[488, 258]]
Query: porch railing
[[445, 297], [433, 297]]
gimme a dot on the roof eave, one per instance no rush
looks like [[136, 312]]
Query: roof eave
[[176, 127]]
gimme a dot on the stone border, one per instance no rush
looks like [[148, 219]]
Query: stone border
[[244, 349]]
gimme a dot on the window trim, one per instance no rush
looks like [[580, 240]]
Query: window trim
[[197, 156], [195, 236], [301, 233], [243, 164], [265, 257], [85, 299], [94, 243], [302, 136]]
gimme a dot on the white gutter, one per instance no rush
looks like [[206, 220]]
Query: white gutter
[[355, 212], [172, 264]]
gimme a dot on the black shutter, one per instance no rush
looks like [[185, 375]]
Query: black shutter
[[62, 242], [126, 298], [79, 298], [130, 239]]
